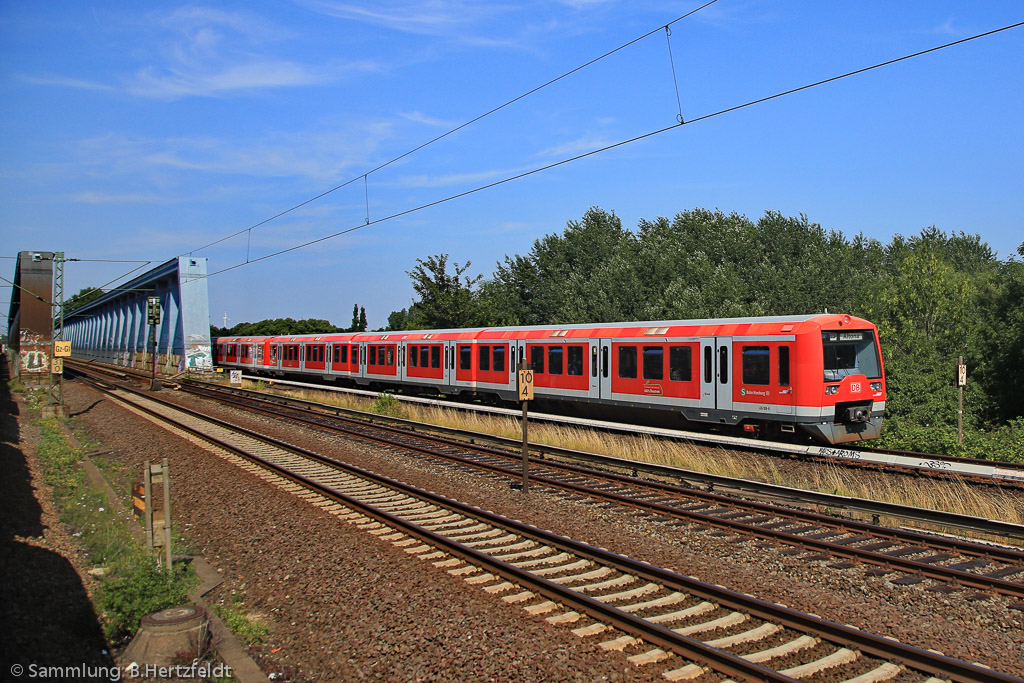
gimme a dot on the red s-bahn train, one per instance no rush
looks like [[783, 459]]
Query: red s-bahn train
[[820, 375]]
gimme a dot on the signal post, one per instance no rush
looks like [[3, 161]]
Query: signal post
[[524, 390]]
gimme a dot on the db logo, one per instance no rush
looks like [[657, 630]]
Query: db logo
[[855, 387]]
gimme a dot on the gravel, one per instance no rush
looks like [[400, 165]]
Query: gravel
[[343, 604]]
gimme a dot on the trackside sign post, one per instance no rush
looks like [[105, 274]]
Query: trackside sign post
[[524, 390]]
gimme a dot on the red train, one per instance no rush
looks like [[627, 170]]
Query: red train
[[820, 374]]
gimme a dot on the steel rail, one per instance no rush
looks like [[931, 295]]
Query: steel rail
[[1000, 473], [886, 648], [690, 648], [773, 491], [923, 569]]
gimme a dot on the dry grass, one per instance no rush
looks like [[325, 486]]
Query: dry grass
[[949, 495]]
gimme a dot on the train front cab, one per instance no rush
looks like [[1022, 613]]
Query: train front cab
[[850, 377]]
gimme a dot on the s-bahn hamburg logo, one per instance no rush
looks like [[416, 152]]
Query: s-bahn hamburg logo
[[754, 392]]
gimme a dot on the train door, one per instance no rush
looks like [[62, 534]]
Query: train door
[[593, 369], [360, 362], [724, 391], [604, 367], [716, 373], [449, 363], [785, 405]]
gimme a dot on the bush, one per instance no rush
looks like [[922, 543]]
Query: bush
[[1005, 443], [137, 587], [388, 405]]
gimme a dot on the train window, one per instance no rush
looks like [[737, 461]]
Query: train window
[[654, 362], [783, 366], [373, 355], [499, 359], [850, 353], [435, 356], [627, 362], [485, 358], [537, 359], [344, 354], [465, 358], [381, 356], [708, 365], [574, 359], [604, 361], [723, 364], [390, 356], [593, 361], [556, 356], [680, 363], [273, 354], [414, 357], [756, 365]]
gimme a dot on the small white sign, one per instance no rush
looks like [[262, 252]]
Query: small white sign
[[236, 378]]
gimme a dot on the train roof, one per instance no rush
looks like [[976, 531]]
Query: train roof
[[696, 327]]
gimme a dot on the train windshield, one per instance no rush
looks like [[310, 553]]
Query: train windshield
[[850, 353]]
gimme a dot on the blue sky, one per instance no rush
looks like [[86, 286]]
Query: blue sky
[[147, 130]]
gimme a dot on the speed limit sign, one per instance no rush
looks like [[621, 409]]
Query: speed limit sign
[[525, 385]]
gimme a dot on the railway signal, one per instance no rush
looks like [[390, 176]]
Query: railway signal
[[153, 318]]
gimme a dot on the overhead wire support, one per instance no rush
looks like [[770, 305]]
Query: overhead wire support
[[366, 189], [621, 143], [675, 80]]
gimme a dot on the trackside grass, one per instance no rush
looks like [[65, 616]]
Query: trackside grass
[[952, 495], [131, 583]]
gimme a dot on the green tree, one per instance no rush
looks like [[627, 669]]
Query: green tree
[[445, 301], [84, 296], [398, 321]]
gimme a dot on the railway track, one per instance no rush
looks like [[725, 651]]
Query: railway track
[[998, 473], [953, 563], [994, 472], [660, 618]]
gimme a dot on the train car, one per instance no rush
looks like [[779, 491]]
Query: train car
[[820, 375]]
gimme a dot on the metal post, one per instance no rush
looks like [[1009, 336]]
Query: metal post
[[960, 405], [147, 481], [57, 326], [526, 454], [152, 339], [167, 513]]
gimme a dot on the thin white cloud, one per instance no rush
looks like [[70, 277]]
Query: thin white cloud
[[199, 51], [323, 156], [123, 198], [176, 82], [448, 180], [419, 117], [574, 147], [431, 17], [63, 82]]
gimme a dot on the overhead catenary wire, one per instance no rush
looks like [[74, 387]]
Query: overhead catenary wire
[[442, 136], [621, 143]]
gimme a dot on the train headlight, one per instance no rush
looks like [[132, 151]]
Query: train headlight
[[831, 389], [876, 386]]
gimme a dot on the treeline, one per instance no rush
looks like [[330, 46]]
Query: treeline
[[285, 326], [934, 296]]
